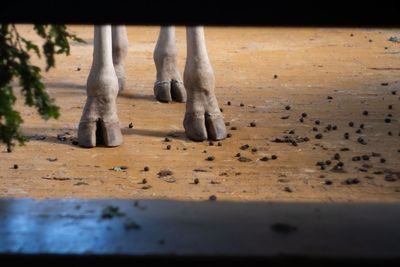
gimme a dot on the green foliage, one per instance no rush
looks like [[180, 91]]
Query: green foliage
[[15, 65]]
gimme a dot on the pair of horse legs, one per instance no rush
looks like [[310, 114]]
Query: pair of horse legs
[[99, 124]]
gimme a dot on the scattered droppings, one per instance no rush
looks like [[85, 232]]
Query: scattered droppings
[[227, 123], [146, 168], [336, 156], [219, 144], [285, 117], [317, 122], [304, 114], [389, 178], [287, 107], [274, 157], [265, 158], [328, 182], [130, 125], [382, 160], [275, 76], [229, 135], [351, 124], [329, 97], [210, 158], [211, 143], [384, 84], [164, 172], [213, 198], [253, 124], [237, 155], [318, 136], [346, 135], [52, 159], [196, 181], [351, 181], [144, 181], [361, 141], [287, 189], [229, 103], [215, 182], [388, 120], [145, 187], [233, 128], [365, 157], [241, 104], [168, 147], [15, 166], [244, 147], [75, 143], [254, 150]]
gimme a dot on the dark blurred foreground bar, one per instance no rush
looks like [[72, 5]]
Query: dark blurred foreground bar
[[208, 12], [77, 232]]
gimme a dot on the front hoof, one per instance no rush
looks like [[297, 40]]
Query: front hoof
[[200, 126], [99, 133]]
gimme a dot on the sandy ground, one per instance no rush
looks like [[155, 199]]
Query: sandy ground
[[358, 69]]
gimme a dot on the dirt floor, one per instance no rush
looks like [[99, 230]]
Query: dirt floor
[[331, 75]]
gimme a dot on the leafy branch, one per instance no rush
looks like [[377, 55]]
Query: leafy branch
[[15, 65]]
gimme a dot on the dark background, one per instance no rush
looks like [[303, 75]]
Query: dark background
[[241, 13]]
